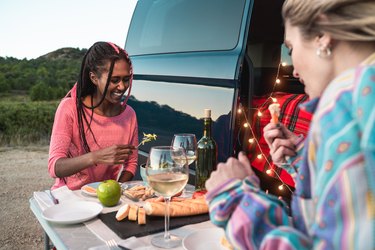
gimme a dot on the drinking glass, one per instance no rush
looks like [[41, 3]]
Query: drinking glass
[[167, 173], [187, 142]]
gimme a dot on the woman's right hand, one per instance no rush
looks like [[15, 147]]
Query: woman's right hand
[[281, 142], [115, 154]]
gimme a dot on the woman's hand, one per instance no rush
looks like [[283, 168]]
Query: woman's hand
[[233, 168], [116, 154], [281, 142]]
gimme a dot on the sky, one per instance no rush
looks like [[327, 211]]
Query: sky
[[32, 28]]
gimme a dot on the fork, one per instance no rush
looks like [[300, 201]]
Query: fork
[[111, 244]]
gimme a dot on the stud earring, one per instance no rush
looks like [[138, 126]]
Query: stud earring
[[323, 52]]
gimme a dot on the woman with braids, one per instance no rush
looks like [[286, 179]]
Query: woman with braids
[[95, 134], [332, 45]]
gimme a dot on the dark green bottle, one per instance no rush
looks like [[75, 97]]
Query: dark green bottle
[[206, 154]]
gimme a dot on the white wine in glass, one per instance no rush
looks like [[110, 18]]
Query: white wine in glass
[[167, 172], [189, 143]]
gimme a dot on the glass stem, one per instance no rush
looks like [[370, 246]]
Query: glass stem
[[167, 236]]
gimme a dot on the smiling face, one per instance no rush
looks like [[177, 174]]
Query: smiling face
[[314, 72], [118, 84]]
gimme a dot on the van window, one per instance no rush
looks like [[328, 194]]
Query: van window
[[206, 30], [266, 51]]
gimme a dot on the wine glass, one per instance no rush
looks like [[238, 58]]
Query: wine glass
[[167, 173], [187, 142]]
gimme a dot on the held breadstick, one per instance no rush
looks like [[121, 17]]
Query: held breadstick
[[275, 112], [178, 208]]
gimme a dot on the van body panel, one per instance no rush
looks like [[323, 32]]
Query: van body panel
[[198, 64]]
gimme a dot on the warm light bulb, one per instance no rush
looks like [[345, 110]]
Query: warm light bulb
[[284, 64], [269, 171], [278, 81], [246, 125], [281, 187], [259, 156], [259, 113], [251, 140], [239, 111], [274, 99], [280, 198]]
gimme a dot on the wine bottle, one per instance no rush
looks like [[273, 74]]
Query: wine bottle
[[206, 154]]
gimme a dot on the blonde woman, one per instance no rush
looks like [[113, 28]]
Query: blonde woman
[[332, 44]]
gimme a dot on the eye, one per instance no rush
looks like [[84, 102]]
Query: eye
[[290, 51], [115, 80], [126, 79]]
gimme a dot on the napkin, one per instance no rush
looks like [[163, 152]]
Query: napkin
[[43, 199], [63, 194]]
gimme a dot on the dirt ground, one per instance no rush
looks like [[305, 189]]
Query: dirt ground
[[22, 171]]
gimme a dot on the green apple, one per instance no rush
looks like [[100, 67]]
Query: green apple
[[109, 192]]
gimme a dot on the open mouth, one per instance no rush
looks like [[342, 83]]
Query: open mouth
[[118, 94]]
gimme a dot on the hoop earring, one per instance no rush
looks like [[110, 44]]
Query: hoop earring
[[323, 52]]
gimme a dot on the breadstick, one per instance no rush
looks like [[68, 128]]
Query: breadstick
[[275, 112], [179, 208]]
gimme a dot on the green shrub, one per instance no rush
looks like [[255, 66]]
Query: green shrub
[[25, 123]]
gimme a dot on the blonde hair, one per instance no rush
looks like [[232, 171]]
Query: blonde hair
[[346, 20]]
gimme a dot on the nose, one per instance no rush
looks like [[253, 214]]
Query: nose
[[295, 73], [123, 85]]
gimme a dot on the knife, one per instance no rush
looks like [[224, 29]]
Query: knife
[[54, 200]]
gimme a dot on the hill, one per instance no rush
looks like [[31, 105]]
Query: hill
[[47, 77], [65, 53]]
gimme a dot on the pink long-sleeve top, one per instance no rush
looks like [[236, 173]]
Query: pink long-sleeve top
[[108, 131]]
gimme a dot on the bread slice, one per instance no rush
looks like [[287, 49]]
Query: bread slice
[[133, 211], [141, 216], [123, 212]]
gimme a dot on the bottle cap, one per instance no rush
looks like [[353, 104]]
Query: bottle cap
[[207, 113]]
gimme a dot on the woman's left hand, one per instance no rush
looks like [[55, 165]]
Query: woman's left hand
[[234, 168]]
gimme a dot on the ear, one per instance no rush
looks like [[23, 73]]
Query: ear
[[93, 78], [324, 40]]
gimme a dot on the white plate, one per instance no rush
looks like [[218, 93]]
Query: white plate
[[204, 239], [130, 184], [93, 185], [72, 212]]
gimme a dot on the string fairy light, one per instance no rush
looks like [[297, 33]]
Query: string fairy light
[[270, 171]]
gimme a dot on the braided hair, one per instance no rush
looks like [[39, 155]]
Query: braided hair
[[95, 60]]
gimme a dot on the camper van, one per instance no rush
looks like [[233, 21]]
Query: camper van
[[190, 55]]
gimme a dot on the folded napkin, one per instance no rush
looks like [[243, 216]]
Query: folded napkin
[[64, 194], [43, 199]]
